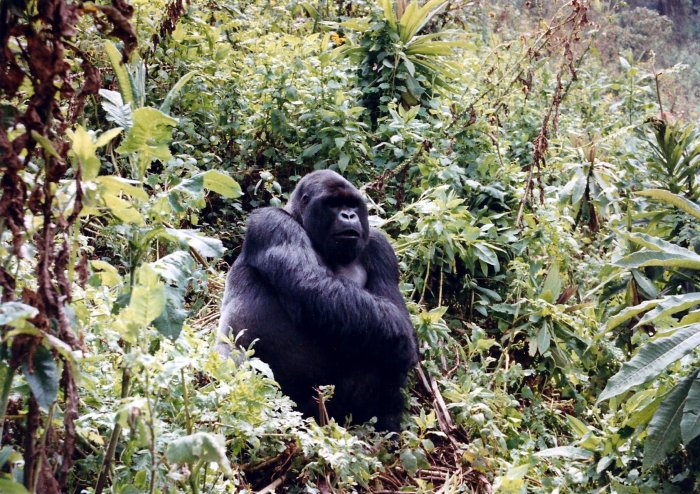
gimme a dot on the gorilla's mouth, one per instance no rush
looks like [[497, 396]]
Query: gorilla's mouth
[[347, 235]]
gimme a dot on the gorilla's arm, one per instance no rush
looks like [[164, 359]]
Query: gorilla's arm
[[279, 249]]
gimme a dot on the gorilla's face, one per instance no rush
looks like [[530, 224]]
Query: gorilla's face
[[333, 214]]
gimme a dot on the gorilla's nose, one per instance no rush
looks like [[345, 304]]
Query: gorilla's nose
[[348, 215]]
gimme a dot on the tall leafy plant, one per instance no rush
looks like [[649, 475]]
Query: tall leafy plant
[[676, 320], [397, 63]]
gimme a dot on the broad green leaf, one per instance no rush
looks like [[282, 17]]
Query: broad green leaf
[[652, 359], [646, 286], [651, 258], [123, 210], [200, 446], [8, 486], [485, 254], [580, 428], [83, 148], [669, 306], [680, 202], [116, 185], [690, 423], [165, 106], [115, 58], [551, 288], [409, 461], [543, 340], [664, 428], [146, 303], [193, 185], [629, 313], [11, 312], [108, 274], [570, 452], [169, 322], [206, 246], [655, 243], [223, 184], [149, 137], [107, 136], [175, 268], [690, 318], [42, 376], [45, 143]]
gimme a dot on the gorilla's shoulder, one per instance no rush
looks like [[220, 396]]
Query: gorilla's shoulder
[[379, 254], [271, 226]]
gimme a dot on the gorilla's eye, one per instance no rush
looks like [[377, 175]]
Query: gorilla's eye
[[305, 199]]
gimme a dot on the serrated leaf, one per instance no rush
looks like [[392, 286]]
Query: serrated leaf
[[175, 268], [200, 446], [149, 137], [664, 428], [680, 202], [115, 58], [690, 423], [223, 184], [117, 111], [43, 378], [652, 359]]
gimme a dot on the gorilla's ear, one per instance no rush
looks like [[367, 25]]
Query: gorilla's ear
[[294, 205]]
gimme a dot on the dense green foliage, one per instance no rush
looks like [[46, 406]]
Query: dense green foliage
[[540, 193]]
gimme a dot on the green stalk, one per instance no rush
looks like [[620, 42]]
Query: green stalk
[[8, 375], [116, 432]]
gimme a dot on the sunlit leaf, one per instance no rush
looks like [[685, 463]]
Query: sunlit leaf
[[652, 359]]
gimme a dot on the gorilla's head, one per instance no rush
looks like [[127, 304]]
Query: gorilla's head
[[334, 215]]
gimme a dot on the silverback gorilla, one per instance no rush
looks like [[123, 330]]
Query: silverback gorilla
[[318, 289]]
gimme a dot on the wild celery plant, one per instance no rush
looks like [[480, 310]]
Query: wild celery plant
[[675, 159], [676, 322], [395, 63]]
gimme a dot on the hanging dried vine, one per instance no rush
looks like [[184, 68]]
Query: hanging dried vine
[[34, 39]]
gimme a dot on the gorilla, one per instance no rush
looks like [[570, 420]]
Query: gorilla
[[316, 290]]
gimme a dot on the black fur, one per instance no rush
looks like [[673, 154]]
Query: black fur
[[314, 324]]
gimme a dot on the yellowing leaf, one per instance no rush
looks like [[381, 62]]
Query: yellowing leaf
[[83, 148], [115, 185], [108, 274], [123, 210], [107, 136], [222, 184]]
